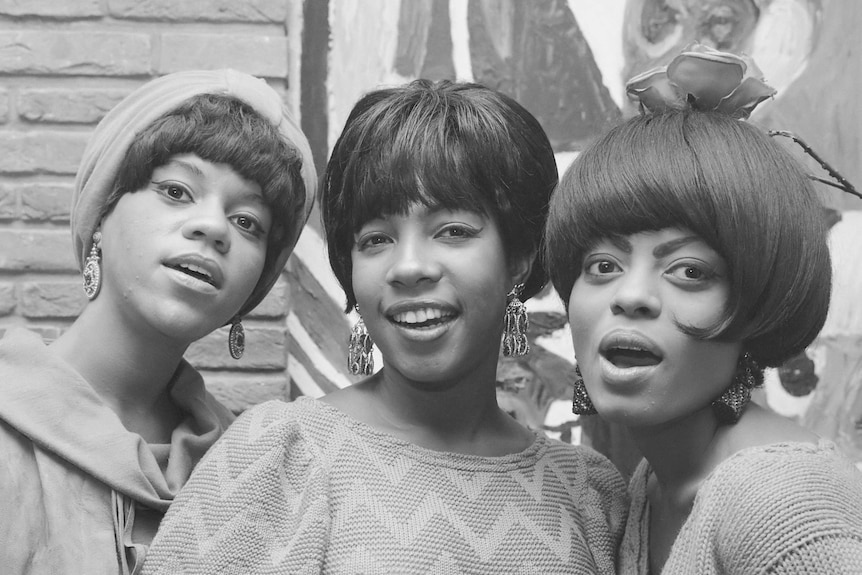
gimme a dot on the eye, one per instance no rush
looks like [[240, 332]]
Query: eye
[[457, 232], [173, 190], [600, 267], [690, 273], [371, 240], [249, 224]]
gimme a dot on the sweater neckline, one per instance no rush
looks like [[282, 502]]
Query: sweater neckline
[[638, 487], [459, 461]]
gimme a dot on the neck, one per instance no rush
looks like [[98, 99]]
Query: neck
[[456, 416], [129, 369], [682, 452]]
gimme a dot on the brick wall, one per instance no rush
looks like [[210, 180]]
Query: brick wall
[[63, 65]]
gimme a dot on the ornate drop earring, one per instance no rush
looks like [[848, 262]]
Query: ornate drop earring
[[515, 324], [729, 406], [581, 402], [236, 338], [360, 360], [92, 268]]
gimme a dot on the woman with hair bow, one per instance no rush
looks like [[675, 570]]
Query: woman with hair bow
[[690, 250], [434, 201], [190, 196]]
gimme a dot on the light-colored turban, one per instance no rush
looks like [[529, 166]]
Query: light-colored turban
[[115, 133]]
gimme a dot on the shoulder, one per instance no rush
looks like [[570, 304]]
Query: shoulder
[[598, 480], [268, 434], [775, 500], [595, 467]]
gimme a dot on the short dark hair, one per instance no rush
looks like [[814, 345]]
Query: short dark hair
[[222, 129], [726, 181], [446, 144]]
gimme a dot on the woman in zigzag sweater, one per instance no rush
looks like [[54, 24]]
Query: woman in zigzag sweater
[[434, 202]]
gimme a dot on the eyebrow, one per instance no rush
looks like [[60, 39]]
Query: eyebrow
[[671, 246], [186, 165], [245, 196], [660, 250]]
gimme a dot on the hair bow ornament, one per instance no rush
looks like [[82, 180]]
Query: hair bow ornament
[[703, 79]]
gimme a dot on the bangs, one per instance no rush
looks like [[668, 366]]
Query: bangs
[[391, 182], [222, 130], [635, 186], [420, 156]]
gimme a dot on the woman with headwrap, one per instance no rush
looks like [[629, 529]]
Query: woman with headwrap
[[189, 199]]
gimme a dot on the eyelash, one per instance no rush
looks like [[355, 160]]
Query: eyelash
[[706, 274], [165, 189]]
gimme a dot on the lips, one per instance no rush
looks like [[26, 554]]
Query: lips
[[417, 315], [198, 267], [625, 349]]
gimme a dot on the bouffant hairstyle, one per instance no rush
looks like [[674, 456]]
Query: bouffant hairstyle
[[729, 183], [443, 144]]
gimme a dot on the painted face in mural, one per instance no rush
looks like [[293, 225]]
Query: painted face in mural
[[777, 34], [182, 255], [431, 286], [625, 310]]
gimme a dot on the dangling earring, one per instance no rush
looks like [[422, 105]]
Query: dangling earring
[[515, 324], [581, 403], [729, 406], [93, 269], [236, 338], [360, 361]]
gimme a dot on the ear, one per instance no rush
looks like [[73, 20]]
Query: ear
[[520, 267]]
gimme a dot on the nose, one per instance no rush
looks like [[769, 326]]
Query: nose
[[636, 296], [207, 222], [413, 263]]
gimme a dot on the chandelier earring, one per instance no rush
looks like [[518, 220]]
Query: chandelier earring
[[729, 406], [236, 338], [360, 360], [92, 273], [581, 402], [515, 324]]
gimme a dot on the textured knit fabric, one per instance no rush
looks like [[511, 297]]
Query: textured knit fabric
[[80, 493], [117, 130], [304, 488], [788, 508]]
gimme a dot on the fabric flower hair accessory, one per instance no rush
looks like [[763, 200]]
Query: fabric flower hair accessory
[[703, 79]]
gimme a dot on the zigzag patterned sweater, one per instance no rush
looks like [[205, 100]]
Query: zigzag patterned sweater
[[303, 488]]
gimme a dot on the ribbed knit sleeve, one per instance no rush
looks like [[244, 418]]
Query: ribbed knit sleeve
[[786, 509], [781, 509], [257, 498]]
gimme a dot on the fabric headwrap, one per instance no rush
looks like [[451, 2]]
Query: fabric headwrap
[[118, 129]]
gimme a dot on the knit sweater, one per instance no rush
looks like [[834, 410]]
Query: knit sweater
[[787, 508], [304, 488]]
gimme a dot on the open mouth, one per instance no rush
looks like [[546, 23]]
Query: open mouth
[[625, 357], [422, 318], [194, 271]]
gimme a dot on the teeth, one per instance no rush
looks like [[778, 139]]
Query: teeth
[[419, 316], [196, 269]]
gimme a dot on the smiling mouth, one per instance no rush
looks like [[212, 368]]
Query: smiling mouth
[[422, 318], [625, 357], [194, 271]]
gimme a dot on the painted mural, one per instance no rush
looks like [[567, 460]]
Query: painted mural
[[566, 61]]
